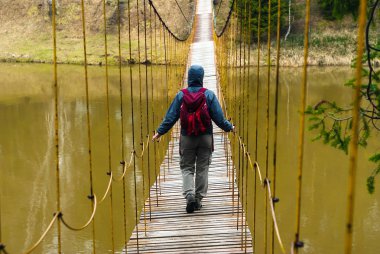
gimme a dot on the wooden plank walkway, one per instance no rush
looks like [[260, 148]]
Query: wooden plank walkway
[[213, 229]]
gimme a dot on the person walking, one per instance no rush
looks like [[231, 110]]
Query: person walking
[[195, 106]]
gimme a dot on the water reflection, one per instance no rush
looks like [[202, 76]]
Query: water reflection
[[28, 181], [324, 189]]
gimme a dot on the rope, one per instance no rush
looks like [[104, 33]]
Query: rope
[[257, 113], [147, 108], [34, 246], [88, 117], [217, 12], [278, 42], [355, 130], [270, 197], [267, 124], [56, 125], [179, 7], [133, 123], [302, 128], [109, 188], [227, 20], [122, 129], [166, 27], [95, 205], [125, 167]]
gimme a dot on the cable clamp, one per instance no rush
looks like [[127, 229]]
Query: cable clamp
[[299, 244], [275, 200], [91, 196], [109, 173], [122, 162]]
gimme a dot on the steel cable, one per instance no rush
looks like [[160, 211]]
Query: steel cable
[[298, 244], [88, 120], [355, 130], [109, 171]]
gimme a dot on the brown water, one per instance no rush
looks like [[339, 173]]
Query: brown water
[[325, 177], [27, 174]]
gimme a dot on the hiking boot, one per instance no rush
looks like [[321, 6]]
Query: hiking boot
[[190, 203], [198, 204]]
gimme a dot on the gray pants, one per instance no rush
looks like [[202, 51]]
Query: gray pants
[[195, 154]]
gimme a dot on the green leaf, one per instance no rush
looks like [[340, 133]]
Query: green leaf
[[375, 158], [371, 184]]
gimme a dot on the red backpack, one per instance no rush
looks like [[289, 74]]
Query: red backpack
[[194, 115]]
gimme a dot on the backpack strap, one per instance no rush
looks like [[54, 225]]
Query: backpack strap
[[202, 90], [186, 91]]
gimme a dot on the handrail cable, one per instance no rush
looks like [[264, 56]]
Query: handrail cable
[[58, 216], [219, 5], [297, 243], [91, 196], [355, 129], [276, 102], [183, 14], [35, 245], [274, 219], [267, 124], [109, 171], [227, 20], [166, 26], [91, 219], [133, 123]]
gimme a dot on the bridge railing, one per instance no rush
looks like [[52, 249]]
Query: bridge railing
[[240, 95], [156, 43]]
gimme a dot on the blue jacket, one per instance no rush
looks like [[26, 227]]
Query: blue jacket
[[195, 80]]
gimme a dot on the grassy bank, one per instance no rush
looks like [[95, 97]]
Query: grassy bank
[[26, 31]]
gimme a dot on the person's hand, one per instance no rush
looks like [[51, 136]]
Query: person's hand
[[156, 137], [233, 129]]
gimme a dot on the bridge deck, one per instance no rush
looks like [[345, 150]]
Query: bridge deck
[[213, 229]]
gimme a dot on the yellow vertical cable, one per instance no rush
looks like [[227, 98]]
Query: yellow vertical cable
[[88, 119], [267, 125], [355, 130], [122, 128], [141, 108], [257, 116], [231, 106], [297, 242], [158, 109], [241, 129], [167, 92], [147, 106], [108, 118], [133, 124], [278, 45], [56, 126], [236, 147], [248, 42], [153, 104]]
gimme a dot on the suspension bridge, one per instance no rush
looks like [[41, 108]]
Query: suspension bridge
[[227, 222]]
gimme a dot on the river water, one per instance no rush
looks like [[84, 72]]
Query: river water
[[28, 181]]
